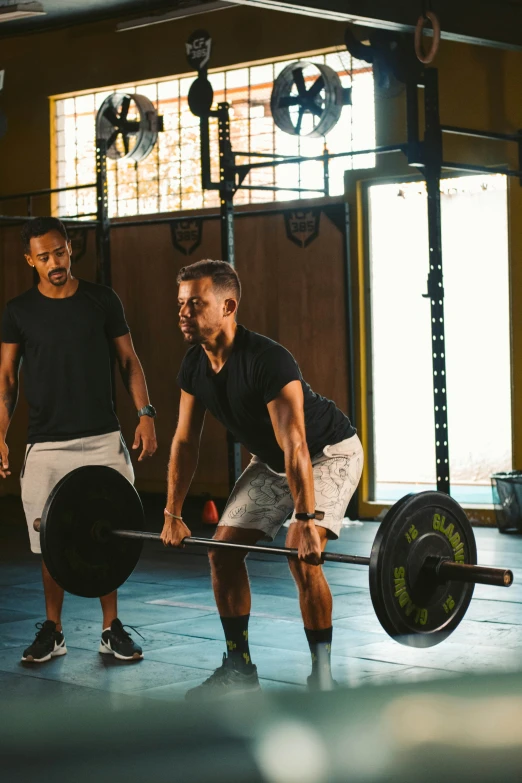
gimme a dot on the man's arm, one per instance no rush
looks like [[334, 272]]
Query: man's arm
[[287, 416], [183, 462], [133, 379], [10, 358]]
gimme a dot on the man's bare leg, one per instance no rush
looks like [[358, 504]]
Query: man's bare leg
[[53, 598], [232, 591], [315, 600], [109, 605]]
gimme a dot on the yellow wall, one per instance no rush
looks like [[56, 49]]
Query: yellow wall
[[479, 88]]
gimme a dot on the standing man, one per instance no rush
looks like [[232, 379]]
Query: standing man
[[306, 456], [65, 330]]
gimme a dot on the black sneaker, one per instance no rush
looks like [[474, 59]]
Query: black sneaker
[[47, 644], [226, 681], [116, 641], [321, 682]]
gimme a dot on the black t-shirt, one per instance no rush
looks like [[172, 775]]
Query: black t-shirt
[[253, 375], [66, 346]]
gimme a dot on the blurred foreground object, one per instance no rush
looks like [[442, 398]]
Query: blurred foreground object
[[465, 729]]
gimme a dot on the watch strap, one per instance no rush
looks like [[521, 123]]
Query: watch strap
[[305, 516], [147, 410]]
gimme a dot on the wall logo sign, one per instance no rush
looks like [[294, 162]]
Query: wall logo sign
[[78, 240], [302, 226], [198, 48], [186, 235]]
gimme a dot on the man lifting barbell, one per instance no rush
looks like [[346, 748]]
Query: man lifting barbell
[[64, 330], [306, 456]]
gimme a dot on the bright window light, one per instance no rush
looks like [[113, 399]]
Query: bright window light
[[169, 179]]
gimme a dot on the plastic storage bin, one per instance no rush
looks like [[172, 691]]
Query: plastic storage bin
[[507, 499]]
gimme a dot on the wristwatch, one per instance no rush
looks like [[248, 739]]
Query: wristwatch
[[147, 410], [304, 517]]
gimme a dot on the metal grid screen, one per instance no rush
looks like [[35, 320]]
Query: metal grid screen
[[169, 179]]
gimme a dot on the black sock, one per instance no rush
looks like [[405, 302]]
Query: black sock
[[236, 636], [320, 643]]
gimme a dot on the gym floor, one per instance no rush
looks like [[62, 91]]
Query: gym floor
[[169, 600]]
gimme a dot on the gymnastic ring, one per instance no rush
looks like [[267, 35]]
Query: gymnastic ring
[[428, 58]]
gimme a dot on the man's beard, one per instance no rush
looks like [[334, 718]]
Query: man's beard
[[198, 335], [58, 279], [193, 339]]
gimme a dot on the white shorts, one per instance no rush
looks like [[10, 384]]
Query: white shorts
[[46, 463], [261, 498]]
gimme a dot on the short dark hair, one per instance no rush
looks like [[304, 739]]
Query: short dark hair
[[39, 226], [224, 277]]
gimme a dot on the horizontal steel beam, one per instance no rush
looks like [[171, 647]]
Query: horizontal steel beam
[[495, 23]]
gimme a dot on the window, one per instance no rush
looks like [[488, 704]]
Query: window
[[477, 326], [169, 179]]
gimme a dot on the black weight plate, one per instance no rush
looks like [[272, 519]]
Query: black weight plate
[[410, 605], [87, 500]]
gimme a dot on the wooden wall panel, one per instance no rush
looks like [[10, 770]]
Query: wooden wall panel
[[295, 295]]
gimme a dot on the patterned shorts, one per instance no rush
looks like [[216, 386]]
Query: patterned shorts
[[261, 498]]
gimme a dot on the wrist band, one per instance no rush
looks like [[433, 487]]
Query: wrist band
[[172, 516]]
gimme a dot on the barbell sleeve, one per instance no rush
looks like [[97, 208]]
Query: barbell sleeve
[[448, 571]]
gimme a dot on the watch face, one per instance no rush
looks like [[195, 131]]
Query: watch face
[[148, 410]]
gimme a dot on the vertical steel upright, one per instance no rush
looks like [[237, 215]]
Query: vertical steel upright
[[103, 227], [226, 202], [432, 171]]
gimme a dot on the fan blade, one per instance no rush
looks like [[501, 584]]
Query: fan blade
[[289, 100], [110, 115], [111, 141], [316, 110], [299, 121], [131, 128], [316, 87], [125, 104], [299, 81], [125, 143]]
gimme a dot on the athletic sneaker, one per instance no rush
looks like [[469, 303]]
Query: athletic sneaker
[[226, 681], [116, 641], [47, 644], [324, 683]]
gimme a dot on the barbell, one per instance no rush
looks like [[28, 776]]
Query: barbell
[[422, 565]]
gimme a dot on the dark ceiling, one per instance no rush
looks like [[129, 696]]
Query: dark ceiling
[[489, 22], [62, 13]]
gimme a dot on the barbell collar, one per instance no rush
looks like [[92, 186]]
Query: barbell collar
[[448, 571]]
